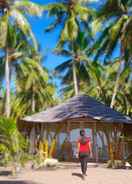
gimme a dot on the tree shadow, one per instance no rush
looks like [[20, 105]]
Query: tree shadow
[[5, 173], [17, 182], [78, 175]]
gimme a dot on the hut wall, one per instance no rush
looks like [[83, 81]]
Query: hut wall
[[106, 134], [128, 139]]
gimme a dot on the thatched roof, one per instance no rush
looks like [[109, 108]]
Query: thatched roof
[[80, 106]]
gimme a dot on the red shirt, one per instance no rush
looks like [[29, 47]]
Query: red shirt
[[84, 148]]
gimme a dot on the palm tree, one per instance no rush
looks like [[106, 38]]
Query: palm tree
[[34, 92], [102, 81], [123, 98], [31, 82], [117, 20], [18, 45], [69, 14], [13, 14], [74, 69]]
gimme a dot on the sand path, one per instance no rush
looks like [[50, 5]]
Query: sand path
[[98, 175]]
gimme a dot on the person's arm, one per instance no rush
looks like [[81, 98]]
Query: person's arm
[[78, 148], [90, 148]]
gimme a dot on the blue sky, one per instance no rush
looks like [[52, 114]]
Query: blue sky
[[47, 41]]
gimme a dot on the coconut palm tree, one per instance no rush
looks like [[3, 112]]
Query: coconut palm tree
[[68, 14], [13, 13], [123, 97], [18, 45], [34, 92], [73, 69], [117, 21], [30, 80]]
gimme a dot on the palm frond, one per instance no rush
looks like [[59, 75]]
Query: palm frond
[[23, 24], [3, 31], [28, 6], [62, 67]]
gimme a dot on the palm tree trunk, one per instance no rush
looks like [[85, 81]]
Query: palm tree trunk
[[108, 143], [75, 80], [118, 77], [7, 80], [33, 103], [116, 86]]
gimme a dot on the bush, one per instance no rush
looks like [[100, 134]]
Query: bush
[[129, 159], [12, 143], [115, 164]]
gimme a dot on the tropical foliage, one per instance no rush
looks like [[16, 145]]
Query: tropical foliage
[[116, 32], [12, 144], [13, 15], [69, 14]]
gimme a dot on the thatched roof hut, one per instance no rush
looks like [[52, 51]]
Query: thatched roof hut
[[77, 112], [81, 106]]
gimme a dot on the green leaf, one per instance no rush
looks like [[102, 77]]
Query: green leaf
[[116, 29], [55, 6], [23, 25], [83, 12], [96, 26], [3, 31], [72, 28], [30, 7]]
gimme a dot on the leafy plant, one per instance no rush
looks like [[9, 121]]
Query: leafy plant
[[115, 164], [12, 143]]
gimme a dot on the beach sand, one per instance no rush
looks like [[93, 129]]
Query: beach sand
[[69, 175]]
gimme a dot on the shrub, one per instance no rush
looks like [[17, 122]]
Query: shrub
[[115, 164], [12, 143]]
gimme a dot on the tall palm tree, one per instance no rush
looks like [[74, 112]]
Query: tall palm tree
[[101, 84], [74, 69], [18, 50], [117, 21], [69, 14], [34, 92], [123, 97], [14, 13]]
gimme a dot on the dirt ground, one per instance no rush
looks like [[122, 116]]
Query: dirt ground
[[68, 175]]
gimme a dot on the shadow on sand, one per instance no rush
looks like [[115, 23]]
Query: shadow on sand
[[17, 182], [78, 175], [5, 173]]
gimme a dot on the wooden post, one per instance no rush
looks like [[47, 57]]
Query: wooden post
[[96, 143], [68, 131], [93, 142], [68, 144], [32, 140], [41, 131], [123, 143]]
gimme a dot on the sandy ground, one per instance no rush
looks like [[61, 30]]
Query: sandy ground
[[70, 175]]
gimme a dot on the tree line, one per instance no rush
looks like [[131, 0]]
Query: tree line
[[90, 35]]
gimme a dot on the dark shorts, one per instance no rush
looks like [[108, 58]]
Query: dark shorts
[[82, 154]]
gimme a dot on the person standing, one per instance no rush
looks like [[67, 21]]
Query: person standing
[[83, 151]]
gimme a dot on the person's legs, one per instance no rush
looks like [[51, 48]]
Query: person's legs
[[85, 164], [82, 161]]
